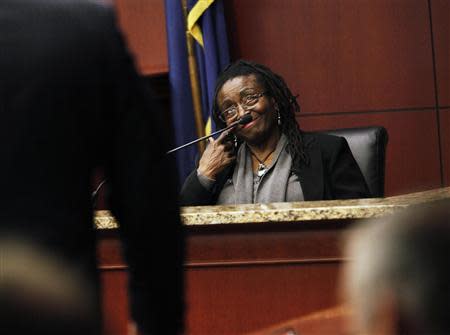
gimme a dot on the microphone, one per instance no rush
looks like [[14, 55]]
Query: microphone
[[94, 194], [247, 118]]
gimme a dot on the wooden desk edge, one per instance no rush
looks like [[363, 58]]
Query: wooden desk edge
[[291, 212]]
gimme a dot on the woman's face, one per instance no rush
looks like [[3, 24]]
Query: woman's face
[[239, 90]]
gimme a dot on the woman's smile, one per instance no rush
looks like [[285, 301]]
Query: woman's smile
[[251, 124], [248, 125]]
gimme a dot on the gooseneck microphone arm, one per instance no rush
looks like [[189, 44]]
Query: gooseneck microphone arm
[[247, 118]]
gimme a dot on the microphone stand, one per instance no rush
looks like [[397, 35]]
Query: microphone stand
[[243, 120]]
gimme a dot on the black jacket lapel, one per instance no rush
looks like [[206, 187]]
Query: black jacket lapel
[[311, 176]]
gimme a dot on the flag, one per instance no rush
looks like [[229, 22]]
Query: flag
[[205, 21]]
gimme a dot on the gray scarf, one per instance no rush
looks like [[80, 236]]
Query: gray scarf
[[276, 185]]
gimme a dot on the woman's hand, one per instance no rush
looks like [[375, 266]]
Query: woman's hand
[[217, 155]]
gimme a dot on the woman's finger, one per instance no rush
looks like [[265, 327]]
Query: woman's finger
[[223, 136]]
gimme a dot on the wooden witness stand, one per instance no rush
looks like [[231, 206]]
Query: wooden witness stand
[[249, 267]]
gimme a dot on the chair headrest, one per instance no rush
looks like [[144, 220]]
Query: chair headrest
[[368, 145]]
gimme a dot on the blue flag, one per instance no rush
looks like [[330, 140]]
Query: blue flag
[[212, 54], [207, 25]]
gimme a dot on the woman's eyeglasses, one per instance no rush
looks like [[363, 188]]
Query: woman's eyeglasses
[[247, 103]]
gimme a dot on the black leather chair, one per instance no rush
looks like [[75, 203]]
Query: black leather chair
[[368, 145]]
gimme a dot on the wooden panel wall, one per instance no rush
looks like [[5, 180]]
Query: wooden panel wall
[[445, 135], [144, 25], [357, 63], [441, 33], [239, 278]]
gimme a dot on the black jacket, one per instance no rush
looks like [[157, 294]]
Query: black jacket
[[331, 174], [71, 101]]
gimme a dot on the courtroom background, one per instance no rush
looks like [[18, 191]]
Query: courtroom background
[[352, 62]]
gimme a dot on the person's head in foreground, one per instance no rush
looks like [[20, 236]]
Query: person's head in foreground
[[397, 280], [42, 294]]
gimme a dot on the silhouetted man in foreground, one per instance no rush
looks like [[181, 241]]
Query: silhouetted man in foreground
[[70, 101]]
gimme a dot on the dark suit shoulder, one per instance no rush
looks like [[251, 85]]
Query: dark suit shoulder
[[327, 143], [344, 177]]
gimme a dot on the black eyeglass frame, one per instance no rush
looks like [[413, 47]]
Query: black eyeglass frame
[[244, 107]]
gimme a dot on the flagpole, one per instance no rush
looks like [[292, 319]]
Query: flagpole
[[195, 84]]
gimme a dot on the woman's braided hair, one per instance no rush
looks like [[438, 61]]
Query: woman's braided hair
[[276, 87]]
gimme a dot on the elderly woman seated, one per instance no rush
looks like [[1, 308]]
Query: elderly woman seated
[[269, 159]]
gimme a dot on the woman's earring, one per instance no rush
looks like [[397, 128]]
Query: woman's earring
[[279, 118], [235, 141]]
